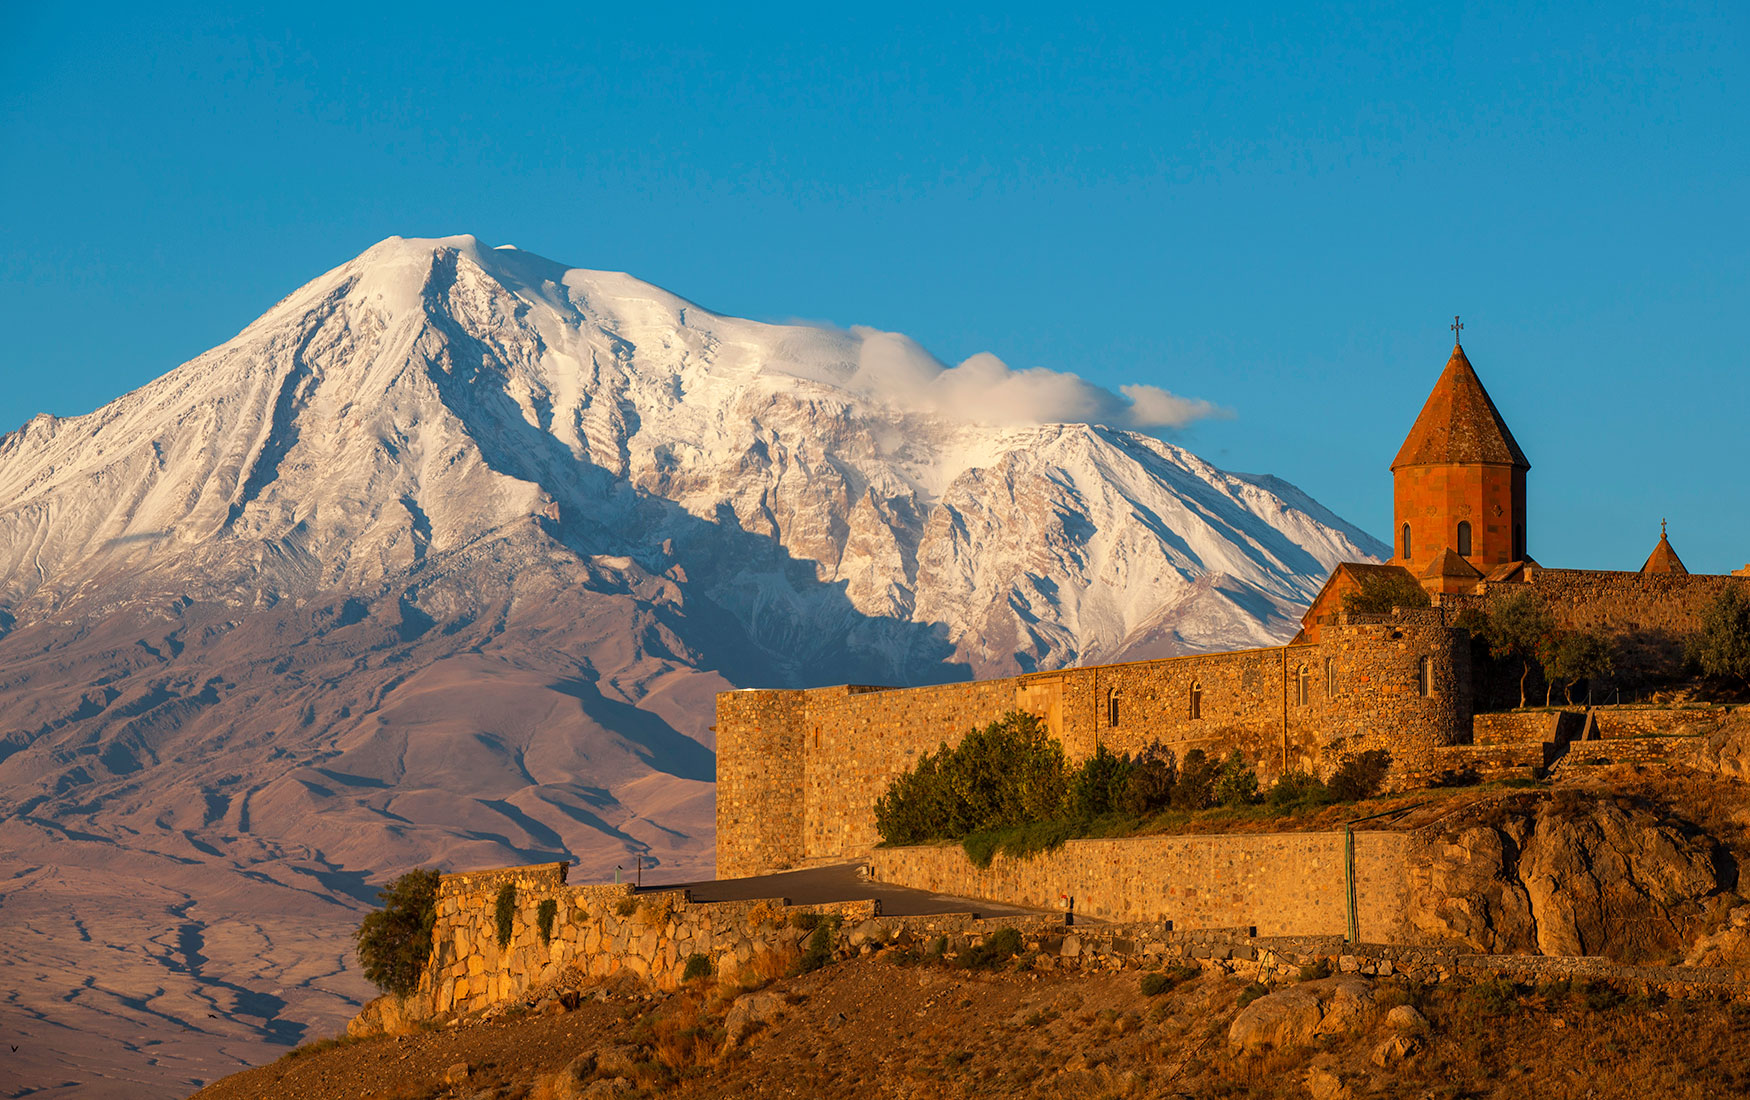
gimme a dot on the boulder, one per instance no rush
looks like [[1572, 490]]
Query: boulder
[[1293, 1016], [749, 1011], [1323, 1084], [1406, 1018], [1567, 876], [1395, 1049]]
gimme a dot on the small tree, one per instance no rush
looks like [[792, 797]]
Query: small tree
[[1515, 628], [1236, 783], [394, 942], [1195, 788], [1575, 655], [1097, 787], [1722, 646], [1380, 593], [1361, 775], [1008, 773], [1152, 775]]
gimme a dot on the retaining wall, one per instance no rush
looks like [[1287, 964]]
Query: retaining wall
[[1279, 883]]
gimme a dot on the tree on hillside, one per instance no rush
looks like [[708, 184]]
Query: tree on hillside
[[1722, 646], [1570, 656], [395, 941], [1515, 628]]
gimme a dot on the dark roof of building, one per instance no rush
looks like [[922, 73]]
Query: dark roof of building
[[1663, 559], [1450, 563], [1459, 424]]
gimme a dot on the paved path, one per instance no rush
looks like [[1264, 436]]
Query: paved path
[[841, 882]]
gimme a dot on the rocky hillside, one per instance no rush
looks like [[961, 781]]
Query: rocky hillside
[[442, 560]]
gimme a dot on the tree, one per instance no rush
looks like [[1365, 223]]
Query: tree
[[1097, 787], [1570, 656], [1009, 773], [1361, 775], [1195, 788], [1153, 773], [394, 942], [1722, 646], [1515, 628], [1380, 593], [1236, 783]]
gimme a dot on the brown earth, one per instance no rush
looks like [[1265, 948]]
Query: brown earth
[[874, 1027]]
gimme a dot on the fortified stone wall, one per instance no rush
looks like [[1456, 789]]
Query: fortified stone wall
[[799, 771], [598, 931], [1278, 883], [1613, 723]]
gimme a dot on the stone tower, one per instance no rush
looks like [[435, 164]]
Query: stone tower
[[1458, 484]]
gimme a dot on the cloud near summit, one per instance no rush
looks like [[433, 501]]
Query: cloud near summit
[[894, 368]]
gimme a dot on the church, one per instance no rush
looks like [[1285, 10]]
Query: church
[[799, 771]]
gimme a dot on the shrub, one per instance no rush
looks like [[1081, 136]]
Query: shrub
[[1236, 784], [698, 966], [1252, 992], [1195, 788], [505, 913], [1001, 946], [394, 942], [1361, 775], [1011, 771], [818, 951], [1722, 646], [1097, 787], [1150, 785], [1313, 971], [1157, 982], [1019, 841], [544, 914], [626, 906], [807, 922], [1378, 595], [1298, 788]]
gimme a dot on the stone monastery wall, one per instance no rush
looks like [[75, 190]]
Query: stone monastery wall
[[798, 772]]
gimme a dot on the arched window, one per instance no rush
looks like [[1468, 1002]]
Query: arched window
[[1425, 677], [1196, 699], [1112, 708], [1330, 677], [1464, 538], [1300, 688], [1406, 554]]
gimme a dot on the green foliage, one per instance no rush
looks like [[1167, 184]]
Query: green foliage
[[1722, 646], [1011, 771], [818, 950], [1294, 789], [1516, 628], [544, 914], [1572, 655], [698, 966], [1001, 946], [394, 942], [1156, 982], [1019, 841], [504, 913], [1252, 992], [1195, 789], [1152, 775], [1236, 784], [1098, 786], [1361, 775], [807, 922], [626, 906], [1378, 595]]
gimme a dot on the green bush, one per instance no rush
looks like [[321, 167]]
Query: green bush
[[544, 914], [1236, 783], [818, 950], [1150, 787], [1019, 841], [1361, 775], [1010, 772], [626, 906], [1313, 971], [1195, 789], [698, 966], [1001, 946], [1297, 788], [394, 942], [1722, 646], [505, 913], [1097, 787], [1156, 982]]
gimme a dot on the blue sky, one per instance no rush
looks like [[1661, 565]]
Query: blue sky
[[1274, 208]]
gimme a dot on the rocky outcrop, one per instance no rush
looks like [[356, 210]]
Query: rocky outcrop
[[1571, 876], [1727, 749], [1299, 1014]]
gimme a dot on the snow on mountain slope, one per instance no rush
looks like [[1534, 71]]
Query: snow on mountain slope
[[441, 560]]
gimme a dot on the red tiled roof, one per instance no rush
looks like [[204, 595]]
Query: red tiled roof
[[1459, 424]]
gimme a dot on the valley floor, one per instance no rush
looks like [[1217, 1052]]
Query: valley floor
[[892, 1026]]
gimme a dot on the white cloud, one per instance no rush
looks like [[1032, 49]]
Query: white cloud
[[893, 368]]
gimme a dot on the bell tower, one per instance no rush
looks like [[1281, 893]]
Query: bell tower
[[1458, 482]]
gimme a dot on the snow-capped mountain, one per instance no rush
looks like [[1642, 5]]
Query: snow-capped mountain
[[442, 559]]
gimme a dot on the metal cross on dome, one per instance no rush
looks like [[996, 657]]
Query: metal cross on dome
[[1456, 326]]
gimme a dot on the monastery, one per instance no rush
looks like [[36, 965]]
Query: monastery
[[798, 772]]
